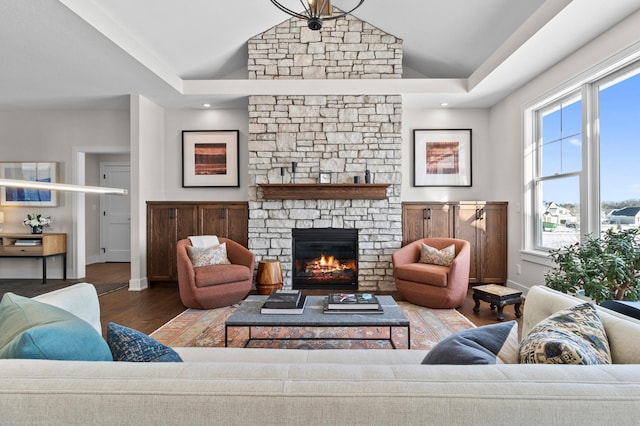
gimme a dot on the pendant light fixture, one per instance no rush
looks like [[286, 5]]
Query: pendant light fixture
[[315, 11], [29, 184]]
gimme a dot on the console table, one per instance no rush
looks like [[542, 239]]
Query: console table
[[35, 245]]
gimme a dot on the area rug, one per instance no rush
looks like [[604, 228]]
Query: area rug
[[205, 328]]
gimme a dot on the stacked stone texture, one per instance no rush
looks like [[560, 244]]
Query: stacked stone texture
[[345, 48], [343, 135]]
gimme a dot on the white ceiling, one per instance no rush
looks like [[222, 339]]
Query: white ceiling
[[94, 53]]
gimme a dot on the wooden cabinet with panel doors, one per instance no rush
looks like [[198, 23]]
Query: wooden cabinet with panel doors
[[426, 220], [170, 221], [482, 223], [230, 220]]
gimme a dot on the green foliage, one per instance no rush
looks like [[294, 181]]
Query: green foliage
[[605, 268]]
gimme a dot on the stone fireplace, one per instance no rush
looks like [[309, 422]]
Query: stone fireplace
[[341, 136]]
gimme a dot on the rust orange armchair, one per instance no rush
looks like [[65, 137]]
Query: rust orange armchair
[[214, 286], [433, 286]]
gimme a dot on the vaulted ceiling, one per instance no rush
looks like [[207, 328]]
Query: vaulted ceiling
[[94, 53]]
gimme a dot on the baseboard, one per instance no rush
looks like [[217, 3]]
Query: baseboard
[[138, 284], [90, 260], [517, 286]]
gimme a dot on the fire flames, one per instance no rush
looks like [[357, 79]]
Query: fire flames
[[327, 265]]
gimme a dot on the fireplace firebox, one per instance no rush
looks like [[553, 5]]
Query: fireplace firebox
[[325, 258]]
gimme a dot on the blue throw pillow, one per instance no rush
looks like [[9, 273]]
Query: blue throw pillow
[[131, 345], [34, 330], [489, 344]]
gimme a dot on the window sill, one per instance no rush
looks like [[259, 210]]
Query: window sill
[[537, 257]]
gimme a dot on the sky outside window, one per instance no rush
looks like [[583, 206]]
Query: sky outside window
[[620, 141]]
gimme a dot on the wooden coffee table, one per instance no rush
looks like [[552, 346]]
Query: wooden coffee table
[[497, 296], [247, 324]]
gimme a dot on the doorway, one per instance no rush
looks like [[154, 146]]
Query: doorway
[[80, 225]]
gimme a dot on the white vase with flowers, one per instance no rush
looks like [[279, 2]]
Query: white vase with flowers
[[37, 222]]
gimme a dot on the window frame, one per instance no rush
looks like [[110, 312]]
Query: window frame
[[538, 177], [587, 85]]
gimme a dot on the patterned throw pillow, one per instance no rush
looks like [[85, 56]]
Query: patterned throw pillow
[[489, 344], [130, 345], [434, 256], [570, 336], [216, 255]]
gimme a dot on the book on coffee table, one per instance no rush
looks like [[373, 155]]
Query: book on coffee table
[[283, 299], [298, 309], [352, 301], [377, 310]]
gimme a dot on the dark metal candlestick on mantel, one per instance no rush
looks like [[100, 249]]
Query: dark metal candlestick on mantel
[[324, 191]]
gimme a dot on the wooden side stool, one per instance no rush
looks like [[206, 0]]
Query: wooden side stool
[[269, 276], [498, 297]]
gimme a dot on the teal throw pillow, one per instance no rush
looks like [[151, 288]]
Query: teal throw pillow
[[489, 344], [574, 335], [131, 345], [34, 330]]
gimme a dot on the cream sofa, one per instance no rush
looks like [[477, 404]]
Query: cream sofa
[[329, 387]]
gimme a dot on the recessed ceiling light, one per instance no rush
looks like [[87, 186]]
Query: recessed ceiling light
[[444, 104], [206, 105]]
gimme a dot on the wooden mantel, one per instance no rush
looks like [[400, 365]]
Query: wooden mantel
[[325, 191]]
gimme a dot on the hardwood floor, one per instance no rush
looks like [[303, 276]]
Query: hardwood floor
[[112, 272], [145, 310], [149, 309]]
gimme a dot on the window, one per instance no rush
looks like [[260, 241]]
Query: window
[[581, 165], [559, 164]]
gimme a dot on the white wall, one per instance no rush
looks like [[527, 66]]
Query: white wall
[[156, 159], [148, 178], [50, 136], [482, 162], [506, 134], [178, 120]]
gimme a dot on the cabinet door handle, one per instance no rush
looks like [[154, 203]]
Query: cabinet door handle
[[429, 213], [172, 213], [479, 214]]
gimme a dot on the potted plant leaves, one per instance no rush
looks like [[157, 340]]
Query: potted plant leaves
[[604, 268]]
